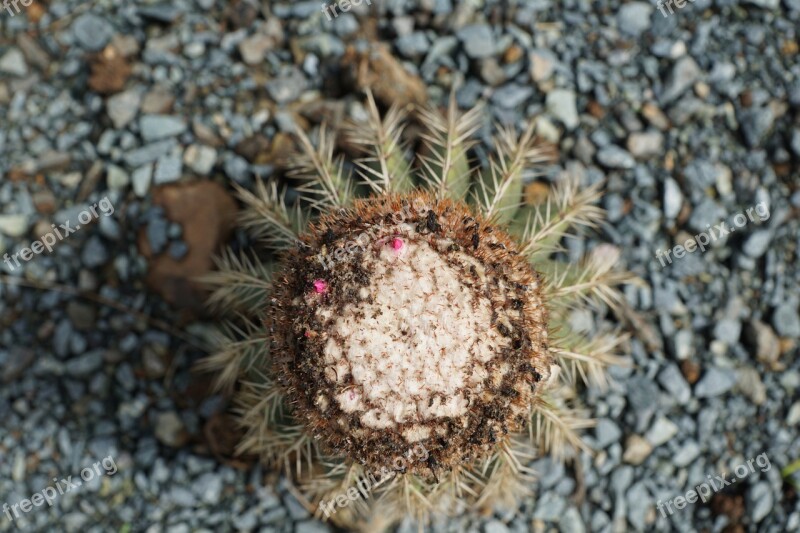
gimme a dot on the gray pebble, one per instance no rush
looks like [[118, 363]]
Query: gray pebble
[[477, 40], [756, 123], [13, 62], [687, 453], [673, 382], [412, 45], [634, 18], [94, 252], [760, 501], [612, 156], [157, 127], [157, 234], [141, 179], [178, 250], [92, 32], [786, 320], [511, 95], [85, 365], [168, 168], [561, 105], [673, 199], [683, 75], [715, 382], [606, 433]]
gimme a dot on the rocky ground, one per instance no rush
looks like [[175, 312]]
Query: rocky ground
[[156, 109]]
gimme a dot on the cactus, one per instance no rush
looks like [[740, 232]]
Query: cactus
[[418, 334]]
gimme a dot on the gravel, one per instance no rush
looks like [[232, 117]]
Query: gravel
[[688, 120]]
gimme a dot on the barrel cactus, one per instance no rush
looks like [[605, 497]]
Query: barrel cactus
[[410, 351]]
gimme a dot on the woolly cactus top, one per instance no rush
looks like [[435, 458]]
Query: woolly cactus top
[[411, 322]]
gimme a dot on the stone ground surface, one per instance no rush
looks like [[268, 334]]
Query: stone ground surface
[[691, 119]]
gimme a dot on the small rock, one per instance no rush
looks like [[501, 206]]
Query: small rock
[[170, 430], [148, 153], [495, 526], [634, 18], [389, 80], [606, 433], [478, 40], [673, 199], [13, 225], [117, 178], [715, 382], [94, 253], [728, 330], [91, 32], [549, 507], [311, 526], [621, 479], [760, 501], [209, 487], [765, 4], [141, 180], [236, 168], [163, 12], [178, 250], [691, 371], [200, 158], [612, 156], [786, 320], [795, 145], [168, 169], [153, 364], [123, 107], [750, 384], [253, 48], [561, 105], [158, 101], [662, 430], [793, 417], [571, 521], [511, 95], [645, 144], [755, 123], [757, 244], [85, 365], [13, 62], [157, 127], [673, 382], [413, 45], [655, 116], [543, 63], [763, 339], [157, 234], [637, 449], [687, 453], [684, 74]]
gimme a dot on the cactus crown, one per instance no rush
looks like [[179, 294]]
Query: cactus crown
[[430, 313]]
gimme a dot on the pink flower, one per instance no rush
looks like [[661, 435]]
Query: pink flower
[[320, 286]]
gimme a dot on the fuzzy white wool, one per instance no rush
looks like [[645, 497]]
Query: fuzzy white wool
[[420, 340]]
